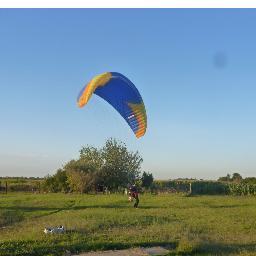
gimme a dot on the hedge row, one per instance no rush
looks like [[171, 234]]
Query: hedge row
[[20, 187], [172, 186], [205, 187]]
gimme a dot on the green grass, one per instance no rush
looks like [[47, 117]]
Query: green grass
[[202, 225]]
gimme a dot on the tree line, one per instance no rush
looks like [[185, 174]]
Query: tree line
[[112, 168]]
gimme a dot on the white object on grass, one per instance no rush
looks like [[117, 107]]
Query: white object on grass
[[54, 230]]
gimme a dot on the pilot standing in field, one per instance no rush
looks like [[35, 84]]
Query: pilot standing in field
[[133, 192]]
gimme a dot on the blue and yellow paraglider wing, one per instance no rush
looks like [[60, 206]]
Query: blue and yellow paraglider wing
[[122, 94]]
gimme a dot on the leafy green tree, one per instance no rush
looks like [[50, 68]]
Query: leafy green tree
[[121, 167], [237, 177], [225, 178], [80, 175], [112, 166], [250, 180], [147, 179], [61, 181], [92, 157], [49, 184], [56, 183]]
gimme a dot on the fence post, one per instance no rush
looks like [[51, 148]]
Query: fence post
[[190, 188], [6, 187]]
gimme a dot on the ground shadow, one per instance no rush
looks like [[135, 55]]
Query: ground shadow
[[58, 248], [10, 217], [227, 206], [112, 206], [209, 205], [46, 211], [213, 248], [55, 245]]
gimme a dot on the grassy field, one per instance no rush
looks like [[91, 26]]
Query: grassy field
[[203, 225]]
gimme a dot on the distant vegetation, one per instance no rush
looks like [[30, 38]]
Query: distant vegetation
[[113, 168], [16, 184], [234, 186], [108, 169]]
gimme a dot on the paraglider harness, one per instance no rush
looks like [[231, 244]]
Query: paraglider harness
[[133, 192]]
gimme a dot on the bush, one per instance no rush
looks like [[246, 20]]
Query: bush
[[209, 188], [171, 186], [22, 187]]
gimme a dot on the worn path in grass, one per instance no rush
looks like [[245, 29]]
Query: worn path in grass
[[130, 252]]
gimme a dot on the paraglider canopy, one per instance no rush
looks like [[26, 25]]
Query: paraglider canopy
[[122, 94]]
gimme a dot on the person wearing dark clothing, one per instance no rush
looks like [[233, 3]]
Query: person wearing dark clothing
[[134, 194]]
